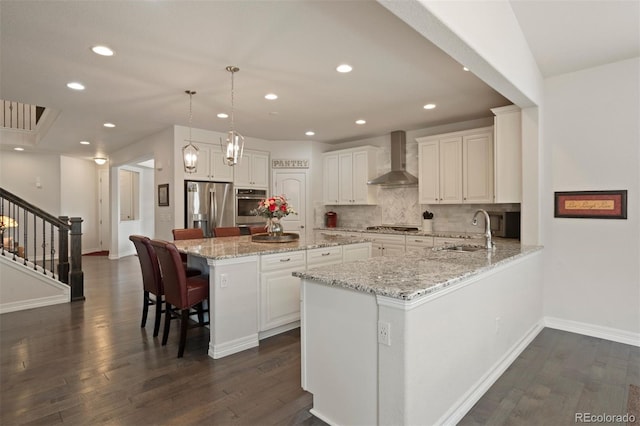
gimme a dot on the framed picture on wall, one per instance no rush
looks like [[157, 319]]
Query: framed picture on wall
[[591, 204], [163, 195]]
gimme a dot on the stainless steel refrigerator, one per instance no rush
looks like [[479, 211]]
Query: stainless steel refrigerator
[[208, 205]]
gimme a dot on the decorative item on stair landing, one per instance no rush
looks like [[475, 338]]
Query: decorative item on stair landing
[[274, 209]]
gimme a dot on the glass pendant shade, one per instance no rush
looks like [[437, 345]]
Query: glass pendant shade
[[234, 148], [190, 151], [190, 158]]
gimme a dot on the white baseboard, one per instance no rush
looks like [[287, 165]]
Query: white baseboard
[[228, 348], [278, 330], [34, 303], [593, 330], [458, 410]]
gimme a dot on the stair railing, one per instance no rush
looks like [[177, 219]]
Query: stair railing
[[29, 235]]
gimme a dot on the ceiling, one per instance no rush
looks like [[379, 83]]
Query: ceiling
[[290, 48]]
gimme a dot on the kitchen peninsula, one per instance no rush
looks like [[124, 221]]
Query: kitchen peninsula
[[253, 294], [418, 338]]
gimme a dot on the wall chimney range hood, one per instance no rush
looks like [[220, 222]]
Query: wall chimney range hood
[[398, 176]]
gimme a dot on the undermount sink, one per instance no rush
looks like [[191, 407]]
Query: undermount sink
[[460, 248]]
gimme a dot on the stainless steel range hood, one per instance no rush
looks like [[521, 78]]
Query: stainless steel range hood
[[398, 176]]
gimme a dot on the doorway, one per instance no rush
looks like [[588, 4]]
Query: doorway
[[293, 186]]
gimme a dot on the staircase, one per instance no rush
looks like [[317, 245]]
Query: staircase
[[35, 266]]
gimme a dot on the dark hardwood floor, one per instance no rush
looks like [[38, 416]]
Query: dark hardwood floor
[[89, 363]]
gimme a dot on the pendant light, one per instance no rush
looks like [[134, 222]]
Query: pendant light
[[234, 146], [190, 151]]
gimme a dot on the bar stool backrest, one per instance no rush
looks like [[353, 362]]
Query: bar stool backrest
[[151, 277], [173, 274], [187, 234]]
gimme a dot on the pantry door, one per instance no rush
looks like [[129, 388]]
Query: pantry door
[[293, 186]]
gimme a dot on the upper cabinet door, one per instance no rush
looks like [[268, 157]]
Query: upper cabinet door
[[451, 170], [330, 179], [253, 170], [507, 154], [477, 168], [345, 189], [220, 171], [428, 172]]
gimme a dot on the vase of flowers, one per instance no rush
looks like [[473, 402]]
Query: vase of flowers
[[273, 209]]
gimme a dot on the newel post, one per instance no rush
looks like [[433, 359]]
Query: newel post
[[76, 276], [63, 250]]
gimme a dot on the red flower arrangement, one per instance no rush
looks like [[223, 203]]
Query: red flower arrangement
[[274, 207]]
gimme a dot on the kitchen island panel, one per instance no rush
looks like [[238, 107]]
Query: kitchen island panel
[[233, 302], [342, 353]]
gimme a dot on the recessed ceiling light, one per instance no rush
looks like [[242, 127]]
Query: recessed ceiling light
[[85, 143], [271, 96], [361, 122], [110, 125], [102, 50], [223, 115], [343, 68], [465, 68], [429, 106], [75, 85], [18, 148], [309, 133]]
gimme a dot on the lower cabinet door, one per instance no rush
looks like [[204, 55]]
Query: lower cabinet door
[[280, 298]]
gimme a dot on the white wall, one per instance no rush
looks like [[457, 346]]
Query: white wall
[[153, 218], [591, 139], [79, 197], [20, 171]]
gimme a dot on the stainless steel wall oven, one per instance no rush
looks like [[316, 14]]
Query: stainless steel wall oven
[[246, 201]]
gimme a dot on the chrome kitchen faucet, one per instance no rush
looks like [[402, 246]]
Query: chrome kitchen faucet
[[488, 244]]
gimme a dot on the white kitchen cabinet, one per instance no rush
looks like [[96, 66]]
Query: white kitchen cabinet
[[507, 154], [353, 252], [456, 168], [252, 171], [210, 165], [279, 290], [324, 256], [477, 167], [386, 244], [450, 170], [346, 173], [449, 241], [418, 242], [330, 180]]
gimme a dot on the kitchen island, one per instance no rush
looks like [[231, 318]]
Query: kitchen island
[[253, 294], [416, 339]]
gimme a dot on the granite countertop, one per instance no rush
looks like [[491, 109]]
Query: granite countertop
[[231, 247], [418, 273], [447, 234]]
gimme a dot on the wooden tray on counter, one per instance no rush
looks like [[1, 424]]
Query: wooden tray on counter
[[286, 237]]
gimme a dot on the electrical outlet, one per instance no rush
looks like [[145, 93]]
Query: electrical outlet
[[224, 280], [384, 333]]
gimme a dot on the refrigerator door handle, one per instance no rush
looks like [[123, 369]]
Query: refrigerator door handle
[[213, 208]]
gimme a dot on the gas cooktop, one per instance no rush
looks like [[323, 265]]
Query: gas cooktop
[[393, 228]]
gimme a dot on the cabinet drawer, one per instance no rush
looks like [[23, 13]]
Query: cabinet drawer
[[385, 238], [419, 242], [444, 241], [271, 262], [324, 256]]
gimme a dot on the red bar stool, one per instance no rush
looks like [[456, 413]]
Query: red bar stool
[[188, 234], [151, 279], [180, 292]]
